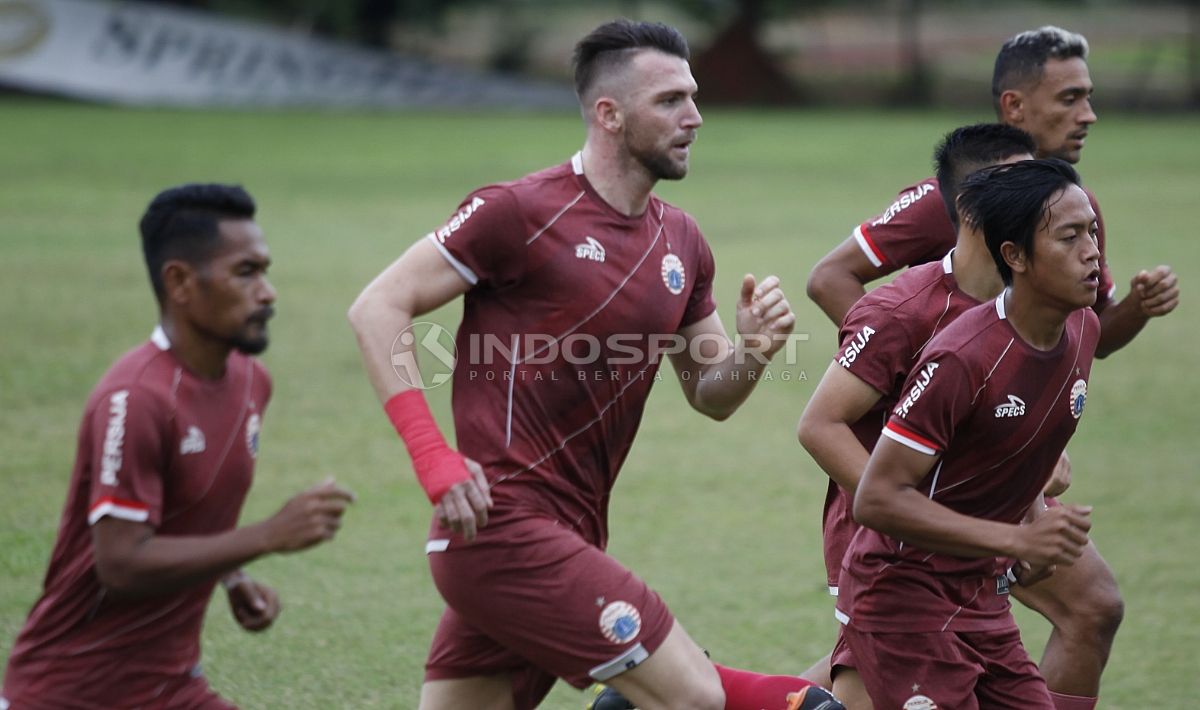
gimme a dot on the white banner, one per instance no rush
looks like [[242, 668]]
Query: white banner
[[127, 52]]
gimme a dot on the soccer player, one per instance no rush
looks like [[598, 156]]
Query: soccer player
[[165, 456], [881, 337], [1041, 85], [576, 279], [981, 420]]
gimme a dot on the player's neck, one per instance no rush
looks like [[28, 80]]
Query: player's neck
[[974, 268], [1038, 322], [619, 179], [201, 356]]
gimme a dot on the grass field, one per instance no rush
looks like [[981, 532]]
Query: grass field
[[723, 519]]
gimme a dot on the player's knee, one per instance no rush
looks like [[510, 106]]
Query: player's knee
[[1096, 615]]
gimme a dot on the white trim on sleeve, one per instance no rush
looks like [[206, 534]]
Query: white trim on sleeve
[[914, 445], [624, 662], [118, 511], [866, 247], [462, 269]]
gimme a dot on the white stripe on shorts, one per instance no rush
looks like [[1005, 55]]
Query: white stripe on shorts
[[624, 662]]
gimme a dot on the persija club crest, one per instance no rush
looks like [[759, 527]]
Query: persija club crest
[[672, 274]]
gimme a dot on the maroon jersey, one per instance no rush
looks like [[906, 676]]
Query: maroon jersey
[[997, 413], [881, 338], [157, 445], [571, 307], [915, 229]]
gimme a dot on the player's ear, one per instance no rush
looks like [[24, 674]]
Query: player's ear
[[1012, 107], [1015, 257], [178, 279], [609, 114]]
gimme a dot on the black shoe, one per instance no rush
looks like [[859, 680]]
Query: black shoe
[[607, 698], [814, 697]]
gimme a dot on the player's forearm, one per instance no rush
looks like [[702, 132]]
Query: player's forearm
[[909, 516], [836, 450], [161, 564], [723, 386], [1119, 324]]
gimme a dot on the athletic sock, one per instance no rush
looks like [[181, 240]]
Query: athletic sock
[[1072, 702], [745, 690]]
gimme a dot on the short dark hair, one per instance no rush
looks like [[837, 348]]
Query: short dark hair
[[967, 149], [612, 43], [1008, 202], [1022, 59], [182, 223]]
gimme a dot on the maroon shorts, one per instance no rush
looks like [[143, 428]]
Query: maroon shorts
[[842, 656], [948, 670], [186, 692], [535, 600]]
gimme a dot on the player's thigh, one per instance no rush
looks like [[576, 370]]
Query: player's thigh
[[459, 651], [1012, 680], [555, 601], [847, 685], [478, 693], [1085, 592], [916, 670], [676, 675]]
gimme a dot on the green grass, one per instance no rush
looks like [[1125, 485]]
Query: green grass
[[722, 519]]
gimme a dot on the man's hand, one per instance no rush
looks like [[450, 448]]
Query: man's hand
[[1060, 477], [1028, 575], [255, 606], [464, 508], [1157, 291], [1057, 536], [764, 317], [308, 519]]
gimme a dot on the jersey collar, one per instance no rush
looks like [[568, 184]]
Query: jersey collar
[[159, 338], [948, 262]]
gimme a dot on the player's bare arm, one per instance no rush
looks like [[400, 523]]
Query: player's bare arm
[[722, 377], [824, 429], [132, 560], [1152, 294], [420, 281], [887, 500], [416, 283], [840, 278]]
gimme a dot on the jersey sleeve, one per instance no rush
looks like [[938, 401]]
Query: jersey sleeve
[[1108, 286], [700, 301], [936, 398], [914, 229], [874, 346], [484, 240], [129, 450]]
